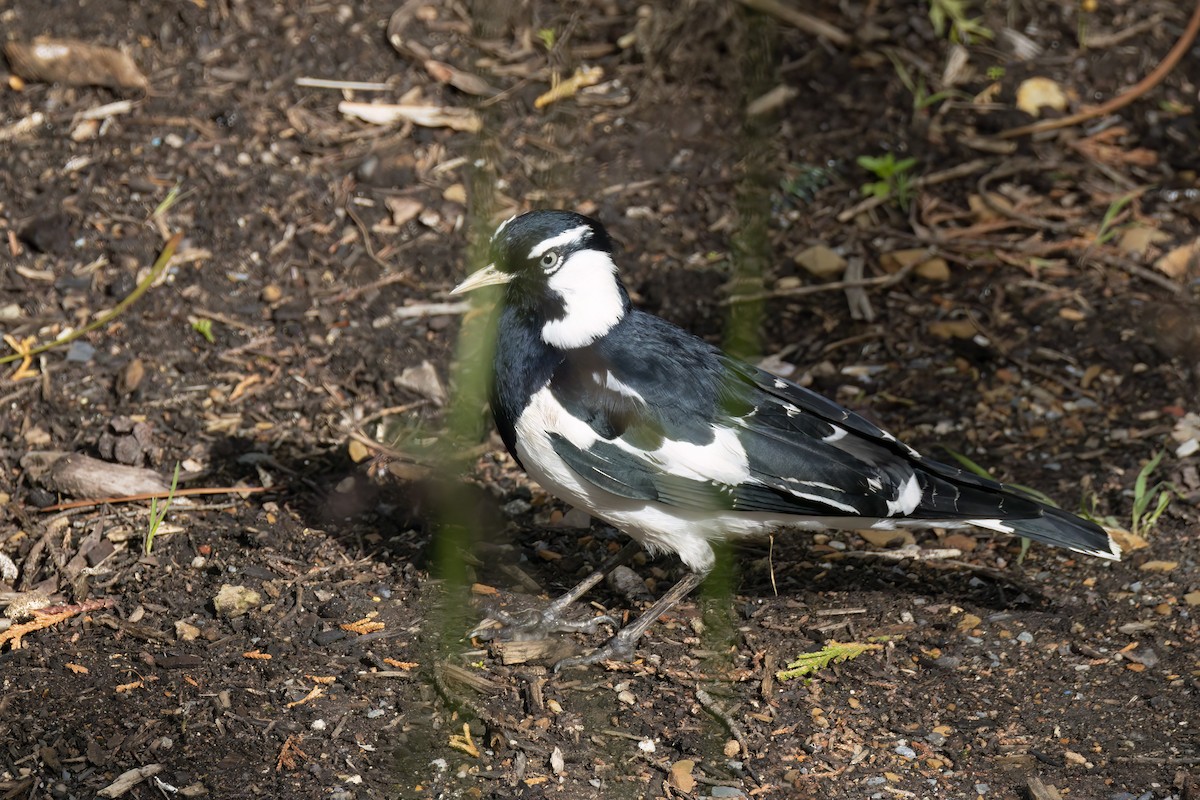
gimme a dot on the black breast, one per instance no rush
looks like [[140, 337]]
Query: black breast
[[523, 365]]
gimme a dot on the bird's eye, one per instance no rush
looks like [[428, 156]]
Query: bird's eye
[[549, 259]]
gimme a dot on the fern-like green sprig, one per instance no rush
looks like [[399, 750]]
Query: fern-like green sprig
[[833, 653]]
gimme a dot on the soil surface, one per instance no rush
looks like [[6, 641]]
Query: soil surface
[[1028, 302]]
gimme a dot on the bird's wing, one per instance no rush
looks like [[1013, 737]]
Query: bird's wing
[[879, 476], [676, 421]]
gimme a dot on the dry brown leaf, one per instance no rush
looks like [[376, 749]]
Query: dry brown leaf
[[1138, 239], [358, 451], [404, 209], [1177, 262], [821, 261], [74, 63], [932, 269], [953, 329], [968, 622], [463, 81], [1127, 540], [681, 775]]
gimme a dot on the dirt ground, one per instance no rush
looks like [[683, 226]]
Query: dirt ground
[[1031, 304]]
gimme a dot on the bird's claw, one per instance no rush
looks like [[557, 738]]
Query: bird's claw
[[534, 624], [618, 648]]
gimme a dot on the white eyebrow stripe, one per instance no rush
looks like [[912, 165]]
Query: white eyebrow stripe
[[562, 240], [502, 226]]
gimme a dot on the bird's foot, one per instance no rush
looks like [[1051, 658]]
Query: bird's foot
[[619, 648], [534, 623]]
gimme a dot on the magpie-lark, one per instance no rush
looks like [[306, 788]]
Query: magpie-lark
[[677, 444]]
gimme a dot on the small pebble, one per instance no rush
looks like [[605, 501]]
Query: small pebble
[[982, 788], [727, 791], [515, 508], [1025, 637], [317, 725], [905, 751], [375, 713], [80, 352], [329, 637], [646, 746], [876, 780]]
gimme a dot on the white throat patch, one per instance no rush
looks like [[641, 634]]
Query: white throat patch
[[591, 297]]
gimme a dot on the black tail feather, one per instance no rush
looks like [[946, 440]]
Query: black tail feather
[[1061, 529]]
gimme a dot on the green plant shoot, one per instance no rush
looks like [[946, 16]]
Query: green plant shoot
[[157, 515]]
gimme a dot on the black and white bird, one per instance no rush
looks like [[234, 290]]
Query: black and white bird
[[678, 444]]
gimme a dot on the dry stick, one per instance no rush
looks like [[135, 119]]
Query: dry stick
[[798, 19], [711, 706], [883, 281], [160, 264], [97, 501], [1120, 101]]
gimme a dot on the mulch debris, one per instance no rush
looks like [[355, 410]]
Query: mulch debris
[[230, 230]]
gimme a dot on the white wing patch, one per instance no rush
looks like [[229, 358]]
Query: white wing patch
[[722, 460], [907, 499], [613, 383], [838, 433]]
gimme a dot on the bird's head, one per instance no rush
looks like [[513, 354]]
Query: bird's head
[[558, 271]]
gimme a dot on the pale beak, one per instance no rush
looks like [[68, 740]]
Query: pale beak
[[488, 276]]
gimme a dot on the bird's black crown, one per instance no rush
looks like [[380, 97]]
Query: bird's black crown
[[513, 241]]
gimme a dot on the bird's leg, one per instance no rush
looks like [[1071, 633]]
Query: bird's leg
[[537, 623], [621, 646]]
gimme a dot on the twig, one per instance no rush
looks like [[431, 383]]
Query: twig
[[908, 552], [1162, 761], [883, 281], [45, 617], [798, 19], [390, 411], [1120, 101], [1138, 271], [1009, 169], [353, 86], [99, 501], [712, 707], [289, 752], [160, 265], [1103, 41]]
